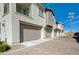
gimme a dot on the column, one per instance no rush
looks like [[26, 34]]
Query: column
[[61, 33], [52, 34], [42, 33], [57, 33]]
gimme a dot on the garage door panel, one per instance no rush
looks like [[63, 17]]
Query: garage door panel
[[31, 34]]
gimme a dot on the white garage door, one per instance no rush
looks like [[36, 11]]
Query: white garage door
[[29, 33]]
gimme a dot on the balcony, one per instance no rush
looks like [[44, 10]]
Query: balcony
[[24, 8], [28, 13], [48, 27]]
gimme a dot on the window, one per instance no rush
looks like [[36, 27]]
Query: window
[[40, 12], [6, 8], [26, 11], [19, 8], [23, 10], [50, 17]]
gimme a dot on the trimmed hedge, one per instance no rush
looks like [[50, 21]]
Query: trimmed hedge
[[3, 47]]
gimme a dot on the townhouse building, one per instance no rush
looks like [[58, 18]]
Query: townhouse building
[[22, 22], [59, 29], [50, 22]]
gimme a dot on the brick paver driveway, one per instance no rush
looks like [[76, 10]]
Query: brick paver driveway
[[59, 46]]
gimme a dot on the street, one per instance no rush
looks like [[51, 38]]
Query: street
[[58, 46]]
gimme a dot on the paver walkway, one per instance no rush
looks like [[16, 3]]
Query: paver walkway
[[59, 46]]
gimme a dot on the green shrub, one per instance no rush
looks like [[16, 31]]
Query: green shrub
[[7, 47], [2, 42], [4, 47]]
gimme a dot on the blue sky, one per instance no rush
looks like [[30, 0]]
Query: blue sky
[[61, 11]]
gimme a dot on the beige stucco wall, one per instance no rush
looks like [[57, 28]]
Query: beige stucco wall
[[7, 30], [35, 19], [12, 19], [12, 25], [16, 17]]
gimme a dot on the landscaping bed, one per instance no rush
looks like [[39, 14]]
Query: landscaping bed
[[4, 46]]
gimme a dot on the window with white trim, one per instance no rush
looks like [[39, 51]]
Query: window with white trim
[[50, 17], [41, 12]]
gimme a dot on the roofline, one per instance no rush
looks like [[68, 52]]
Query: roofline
[[57, 23], [47, 9]]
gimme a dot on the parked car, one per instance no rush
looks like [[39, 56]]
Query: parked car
[[76, 36]]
